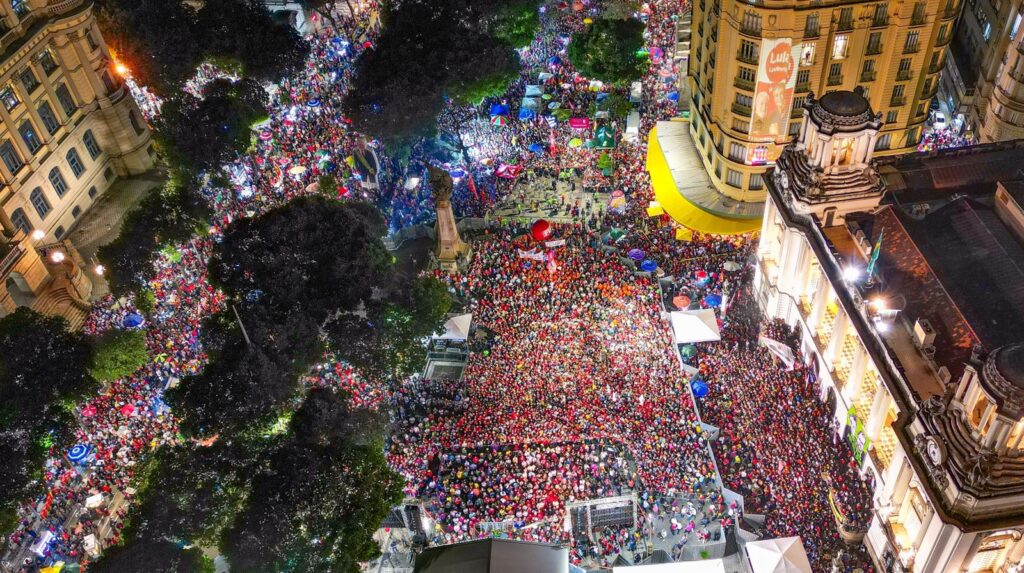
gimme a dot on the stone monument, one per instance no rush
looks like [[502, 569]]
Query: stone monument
[[450, 247]]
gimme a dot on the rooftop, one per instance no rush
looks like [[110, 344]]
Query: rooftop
[[493, 556]]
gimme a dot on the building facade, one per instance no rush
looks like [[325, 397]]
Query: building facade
[[983, 75], [753, 64], [68, 130], [916, 354]]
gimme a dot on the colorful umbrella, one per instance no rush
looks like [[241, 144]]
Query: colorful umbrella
[[536, 148], [682, 302], [648, 266], [636, 254], [498, 120], [132, 320], [688, 350], [575, 142], [127, 409], [700, 388], [712, 300], [541, 230], [313, 102]]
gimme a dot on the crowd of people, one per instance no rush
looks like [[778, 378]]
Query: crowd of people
[[578, 395]]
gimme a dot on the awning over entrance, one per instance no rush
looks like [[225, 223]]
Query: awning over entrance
[[684, 190]]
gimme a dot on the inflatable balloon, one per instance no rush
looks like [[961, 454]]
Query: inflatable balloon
[[541, 230], [700, 388]]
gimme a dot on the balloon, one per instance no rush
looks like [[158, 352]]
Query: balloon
[[699, 388], [541, 230]]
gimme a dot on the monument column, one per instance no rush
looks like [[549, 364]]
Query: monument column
[[449, 245]]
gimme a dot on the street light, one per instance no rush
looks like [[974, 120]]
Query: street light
[[851, 273], [38, 234], [57, 256], [100, 269]]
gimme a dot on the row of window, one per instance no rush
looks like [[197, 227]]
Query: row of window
[[41, 205], [9, 154]]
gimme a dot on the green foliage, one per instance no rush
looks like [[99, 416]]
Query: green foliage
[[620, 9], [604, 161], [473, 90], [617, 106], [167, 216], [43, 373], [517, 23], [328, 186], [199, 134], [152, 556], [608, 50], [118, 354], [145, 301]]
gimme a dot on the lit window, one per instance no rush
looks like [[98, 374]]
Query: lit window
[[839, 47], [807, 54], [28, 135], [9, 98], [47, 62], [20, 7]]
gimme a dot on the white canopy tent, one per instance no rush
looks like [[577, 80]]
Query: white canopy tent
[[782, 555], [703, 566], [457, 327], [690, 326]]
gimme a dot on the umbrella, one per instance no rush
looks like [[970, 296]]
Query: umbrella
[[127, 409], [575, 142], [313, 102], [712, 300], [700, 388], [545, 96], [499, 109], [688, 350], [536, 148], [457, 173], [681, 302], [297, 170], [89, 411], [617, 233], [588, 21], [526, 113], [701, 276], [266, 135], [674, 96], [498, 120], [132, 320], [648, 266], [554, 105], [731, 266], [78, 453], [636, 254], [554, 60]]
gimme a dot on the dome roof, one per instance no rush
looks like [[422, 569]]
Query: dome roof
[[844, 103], [1010, 364]]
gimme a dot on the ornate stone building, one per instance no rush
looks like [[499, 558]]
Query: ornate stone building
[[68, 130], [905, 278]]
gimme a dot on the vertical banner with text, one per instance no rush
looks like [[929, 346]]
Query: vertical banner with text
[[773, 93]]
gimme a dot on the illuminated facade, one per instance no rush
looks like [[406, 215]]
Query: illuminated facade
[[753, 64], [890, 270], [68, 130]]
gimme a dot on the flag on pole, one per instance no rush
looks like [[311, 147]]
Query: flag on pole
[[874, 254]]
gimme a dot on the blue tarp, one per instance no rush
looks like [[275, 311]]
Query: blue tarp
[[132, 320], [530, 103], [499, 109], [527, 114], [674, 96], [536, 147], [533, 91]]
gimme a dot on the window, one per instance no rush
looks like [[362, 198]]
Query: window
[[798, 102], [9, 98], [869, 67], [90, 36], [811, 26], [839, 47], [835, 74], [135, 123], [1016, 26], [794, 129], [737, 151], [920, 109], [66, 101], [803, 77], [874, 43], [20, 220], [756, 181], [10, 157], [59, 232], [28, 135], [883, 142], [108, 174], [752, 23], [49, 119], [75, 162], [748, 51], [897, 91], [29, 80], [76, 212], [90, 144], [741, 125], [92, 192], [40, 203], [912, 137], [911, 43], [747, 75], [918, 16], [108, 82], [892, 116], [807, 54], [47, 62], [20, 7], [881, 17], [744, 100], [734, 178], [57, 180]]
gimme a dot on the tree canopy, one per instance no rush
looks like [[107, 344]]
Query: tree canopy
[[152, 556], [43, 372], [609, 50], [201, 133], [430, 50], [245, 31], [119, 353]]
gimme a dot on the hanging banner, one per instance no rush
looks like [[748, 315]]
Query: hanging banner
[[773, 93], [534, 255], [553, 244]]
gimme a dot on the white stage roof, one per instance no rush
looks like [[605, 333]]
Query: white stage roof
[[782, 555], [457, 327], [690, 326], [703, 566]]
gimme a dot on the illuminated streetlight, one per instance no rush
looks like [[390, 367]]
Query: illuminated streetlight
[[57, 256], [851, 274], [38, 234], [879, 304], [100, 269], [121, 69]]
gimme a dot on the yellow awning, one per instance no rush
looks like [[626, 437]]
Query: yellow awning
[[680, 208]]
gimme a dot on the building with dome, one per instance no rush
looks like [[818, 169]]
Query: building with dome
[[905, 277]]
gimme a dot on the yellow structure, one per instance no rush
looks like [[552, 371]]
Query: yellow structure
[[68, 129], [753, 64]]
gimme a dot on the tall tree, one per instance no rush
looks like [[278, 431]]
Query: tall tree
[[152, 556], [201, 133], [323, 494], [119, 353], [243, 30], [43, 373], [609, 50]]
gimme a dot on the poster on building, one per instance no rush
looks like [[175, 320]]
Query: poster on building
[[855, 435], [773, 92]]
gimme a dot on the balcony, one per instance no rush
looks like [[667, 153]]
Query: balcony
[[867, 76], [930, 93], [880, 22], [910, 48], [844, 25], [835, 80], [747, 58], [741, 110], [60, 6], [903, 75], [803, 87], [935, 67], [744, 84], [943, 40], [750, 30], [873, 50], [897, 101], [796, 113], [812, 32], [949, 13]]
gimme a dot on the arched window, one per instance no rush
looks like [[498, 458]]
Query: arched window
[[91, 144], [57, 180], [20, 220], [75, 162], [40, 202]]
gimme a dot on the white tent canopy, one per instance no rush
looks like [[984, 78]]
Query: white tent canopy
[[690, 326], [457, 327], [703, 566], [782, 555]]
